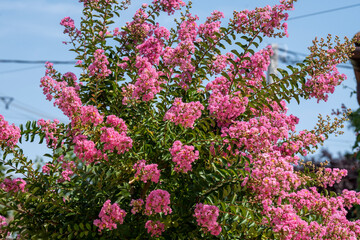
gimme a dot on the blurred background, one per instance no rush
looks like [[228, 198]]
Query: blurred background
[[31, 33]]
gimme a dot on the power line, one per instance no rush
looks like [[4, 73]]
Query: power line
[[34, 61], [34, 111], [29, 109], [322, 12], [20, 69], [286, 60]]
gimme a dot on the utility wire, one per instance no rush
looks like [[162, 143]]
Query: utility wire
[[346, 66], [34, 61], [322, 12], [40, 114], [20, 69], [32, 110]]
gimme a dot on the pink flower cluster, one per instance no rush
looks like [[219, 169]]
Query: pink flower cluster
[[211, 26], [225, 107], [184, 113], [206, 217], [117, 123], [67, 172], [146, 171], [320, 85], [127, 92], [71, 79], [66, 98], [14, 185], [139, 28], [264, 20], [95, 3], [9, 134], [70, 29], [110, 215], [219, 64], [67, 169], [253, 70], [3, 222], [148, 83], [99, 67], [188, 28], [86, 150], [68, 23], [152, 47], [300, 143], [261, 133], [137, 205], [328, 176], [180, 56], [158, 202], [89, 115], [273, 174], [183, 156], [155, 228], [286, 221], [46, 168], [169, 6], [89, 2], [51, 131], [115, 140]]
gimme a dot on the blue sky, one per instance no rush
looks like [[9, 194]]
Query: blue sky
[[30, 30]]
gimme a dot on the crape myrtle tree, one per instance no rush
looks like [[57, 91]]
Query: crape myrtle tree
[[175, 134]]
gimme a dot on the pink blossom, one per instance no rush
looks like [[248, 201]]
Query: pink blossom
[[86, 150], [180, 56], [51, 130], [146, 171], [169, 6], [139, 28], [110, 215], [264, 20], [46, 169], [328, 176], [9, 134], [90, 115], [155, 228], [219, 64], [116, 123], [3, 222], [158, 202], [211, 26], [206, 217], [184, 113], [161, 32], [66, 174], [68, 23], [188, 29], [148, 83], [14, 185], [223, 106], [70, 28], [151, 49], [137, 205], [183, 156], [115, 140], [319, 86], [128, 92], [99, 67], [66, 98]]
